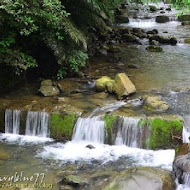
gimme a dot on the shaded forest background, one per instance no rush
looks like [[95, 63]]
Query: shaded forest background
[[51, 38]]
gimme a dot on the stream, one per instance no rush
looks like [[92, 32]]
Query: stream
[[166, 74]]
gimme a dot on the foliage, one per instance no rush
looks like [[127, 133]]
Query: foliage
[[64, 27]]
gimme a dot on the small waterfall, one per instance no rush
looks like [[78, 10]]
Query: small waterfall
[[90, 129], [128, 133], [186, 179], [186, 129], [12, 121], [37, 124]]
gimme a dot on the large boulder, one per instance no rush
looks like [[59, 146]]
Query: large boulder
[[123, 86], [162, 19], [145, 178], [47, 88], [104, 84], [155, 103]]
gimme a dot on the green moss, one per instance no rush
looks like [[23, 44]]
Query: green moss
[[187, 41], [62, 126], [163, 132], [109, 119]]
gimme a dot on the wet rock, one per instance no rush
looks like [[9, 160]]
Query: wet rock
[[181, 164], [129, 38], [161, 39], [153, 8], [122, 19], [168, 9], [114, 49], [90, 146], [154, 43], [74, 181], [155, 103], [153, 48], [47, 83], [162, 12], [162, 19], [143, 178], [154, 31], [133, 66], [123, 86], [185, 23], [173, 41], [187, 41], [47, 88], [184, 18], [104, 84]]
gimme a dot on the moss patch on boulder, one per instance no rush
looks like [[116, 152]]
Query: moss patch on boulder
[[62, 126], [109, 120], [164, 132]]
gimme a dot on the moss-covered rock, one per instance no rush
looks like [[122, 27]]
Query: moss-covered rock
[[184, 18], [154, 104], [153, 48], [62, 126], [153, 8], [104, 84], [184, 23], [162, 19], [129, 38], [163, 40], [187, 41], [163, 131], [122, 19], [142, 178], [47, 88], [109, 121]]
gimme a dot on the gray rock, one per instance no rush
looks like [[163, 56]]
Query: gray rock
[[143, 179]]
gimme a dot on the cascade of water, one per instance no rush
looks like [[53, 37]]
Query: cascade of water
[[89, 129], [128, 133], [8, 121], [186, 129], [12, 121], [186, 179], [37, 124]]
